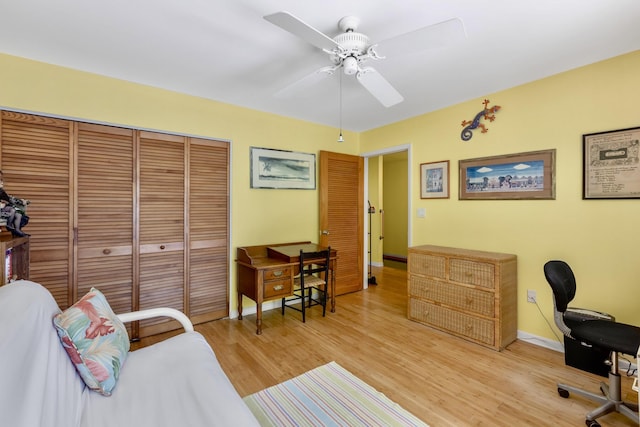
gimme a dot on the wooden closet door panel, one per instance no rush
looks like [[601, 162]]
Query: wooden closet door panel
[[208, 229], [341, 191], [36, 161], [161, 225], [105, 195]]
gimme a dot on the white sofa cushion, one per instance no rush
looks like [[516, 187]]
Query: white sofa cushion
[[38, 384], [176, 382]]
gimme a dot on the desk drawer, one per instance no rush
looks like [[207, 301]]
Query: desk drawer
[[277, 288], [277, 273]]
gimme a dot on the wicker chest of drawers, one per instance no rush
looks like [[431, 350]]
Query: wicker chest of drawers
[[467, 293]]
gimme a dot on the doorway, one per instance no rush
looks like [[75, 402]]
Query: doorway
[[388, 194]]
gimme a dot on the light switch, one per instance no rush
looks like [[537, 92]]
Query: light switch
[[422, 212]]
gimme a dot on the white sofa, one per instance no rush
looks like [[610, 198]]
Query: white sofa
[[176, 382]]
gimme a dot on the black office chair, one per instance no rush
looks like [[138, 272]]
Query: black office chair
[[603, 334], [313, 279]]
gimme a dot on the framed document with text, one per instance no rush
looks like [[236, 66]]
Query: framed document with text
[[611, 164]]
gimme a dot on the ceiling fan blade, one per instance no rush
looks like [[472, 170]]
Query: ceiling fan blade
[[306, 82], [379, 87], [441, 34], [299, 28]]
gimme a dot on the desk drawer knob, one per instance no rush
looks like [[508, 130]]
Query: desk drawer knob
[[277, 273], [278, 288], [106, 251]]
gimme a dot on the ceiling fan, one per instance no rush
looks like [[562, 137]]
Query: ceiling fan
[[350, 50]]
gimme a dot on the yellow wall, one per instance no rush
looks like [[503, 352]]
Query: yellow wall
[[259, 216], [395, 205], [598, 238]]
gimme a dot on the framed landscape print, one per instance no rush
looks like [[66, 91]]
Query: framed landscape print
[[282, 169], [512, 176], [611, 164], [434, 180]]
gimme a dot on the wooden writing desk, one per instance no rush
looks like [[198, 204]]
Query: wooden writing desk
[[266, 272]]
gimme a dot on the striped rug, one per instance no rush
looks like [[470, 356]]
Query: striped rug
[[327, 396]]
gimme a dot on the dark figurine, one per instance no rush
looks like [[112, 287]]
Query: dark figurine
[[13, 211]]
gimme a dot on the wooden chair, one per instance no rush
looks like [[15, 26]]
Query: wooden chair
[[312, 279]]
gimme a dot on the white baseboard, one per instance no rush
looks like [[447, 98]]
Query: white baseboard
[[266, 306], [623, 364], [541, 341]]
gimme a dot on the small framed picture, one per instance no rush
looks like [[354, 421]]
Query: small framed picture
[[434, 180]]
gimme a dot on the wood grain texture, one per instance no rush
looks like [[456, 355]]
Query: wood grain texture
[[444, 380], [143, 216]]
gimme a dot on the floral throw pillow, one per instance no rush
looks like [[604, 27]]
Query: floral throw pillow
[[95, 340]]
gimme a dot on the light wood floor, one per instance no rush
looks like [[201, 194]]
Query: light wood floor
[[444, 380]]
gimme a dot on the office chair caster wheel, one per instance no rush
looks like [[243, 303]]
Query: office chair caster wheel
[[592, 423], [563, 393]]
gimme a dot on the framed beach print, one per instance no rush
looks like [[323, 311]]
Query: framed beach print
[[434, 180], [282, 169], [528, 175], [611, 164]]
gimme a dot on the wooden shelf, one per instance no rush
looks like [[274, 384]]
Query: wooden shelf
[[16, 256]]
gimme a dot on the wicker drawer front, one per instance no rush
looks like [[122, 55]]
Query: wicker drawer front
[[472, 272], [277, 273], [476, 329], [472, 300], [428, 265]]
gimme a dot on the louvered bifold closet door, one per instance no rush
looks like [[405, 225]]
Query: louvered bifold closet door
[[105, 213], [162, 226], [208, 229], [36, 165]]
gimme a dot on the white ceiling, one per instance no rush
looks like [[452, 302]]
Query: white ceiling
[[226, 51]]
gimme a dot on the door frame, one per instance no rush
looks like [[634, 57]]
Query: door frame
[[376, 153]]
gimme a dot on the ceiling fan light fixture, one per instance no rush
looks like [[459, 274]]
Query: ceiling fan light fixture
[[350, 65]]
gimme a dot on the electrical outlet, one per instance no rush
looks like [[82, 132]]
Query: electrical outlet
[[531, 296]]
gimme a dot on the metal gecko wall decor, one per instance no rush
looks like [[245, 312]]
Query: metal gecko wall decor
[[488, 113]]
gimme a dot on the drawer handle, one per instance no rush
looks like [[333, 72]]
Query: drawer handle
[[106, 251], [468, 273], [278, 288], [162, 246], [277, 273], [469, 300], [469, 327]]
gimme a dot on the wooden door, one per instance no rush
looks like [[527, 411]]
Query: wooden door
[[104, 220], [208, 216], [36, 163], [342, 215], [161, 224]]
